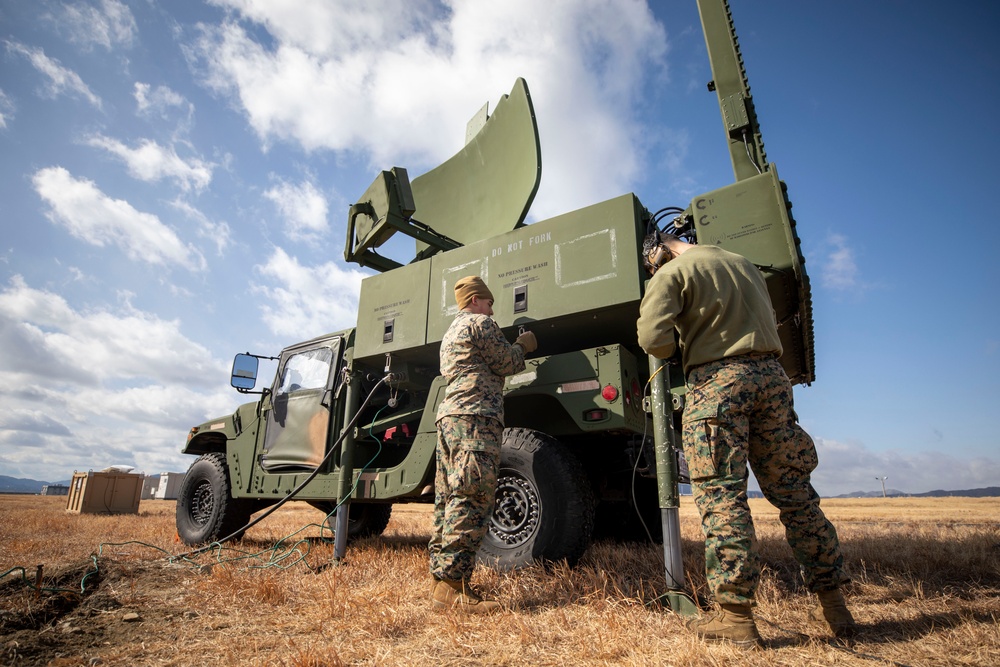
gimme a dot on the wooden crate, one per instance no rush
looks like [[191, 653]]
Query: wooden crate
[[105, 493]]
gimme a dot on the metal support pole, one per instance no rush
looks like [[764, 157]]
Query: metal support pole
[[664, 440], [346, 471]]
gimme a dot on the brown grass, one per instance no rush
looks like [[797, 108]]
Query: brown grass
[[926, 591]]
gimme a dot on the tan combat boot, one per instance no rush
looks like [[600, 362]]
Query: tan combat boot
[[458, 595], [731, 623], [833, 611]]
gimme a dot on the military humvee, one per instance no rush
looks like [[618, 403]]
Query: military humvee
[[590, 446]]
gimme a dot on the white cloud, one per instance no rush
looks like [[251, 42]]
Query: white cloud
[[144, 427], [303, 208], [46, 340], [838, 269], [148, 448], [93, 217], [400, 85], [85, 389], [61, 80], [218, 233], [33, 421], [160, 101], [846, 467], [308, 300], [112, 24], [78, 275], [166, 405], [6, 110], [151, 162], [330, 28]]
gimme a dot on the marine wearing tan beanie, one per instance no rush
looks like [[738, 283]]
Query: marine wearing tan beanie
[[468, 287]]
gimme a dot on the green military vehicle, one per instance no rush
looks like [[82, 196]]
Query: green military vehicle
[[590, 445]]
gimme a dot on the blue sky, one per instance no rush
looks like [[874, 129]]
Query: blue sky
[[175, 178]]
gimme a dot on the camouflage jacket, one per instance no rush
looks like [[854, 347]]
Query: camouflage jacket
[[475, 357]]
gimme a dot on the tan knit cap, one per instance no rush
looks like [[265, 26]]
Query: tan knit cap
[[468, 287]]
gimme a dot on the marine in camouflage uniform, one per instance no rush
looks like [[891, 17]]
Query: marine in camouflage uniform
[[475, 358], [738, 413]]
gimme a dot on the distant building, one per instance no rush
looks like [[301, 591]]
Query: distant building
[[55, 490], [169, 486], [149, 487]]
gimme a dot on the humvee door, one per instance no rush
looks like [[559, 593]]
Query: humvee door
[[297, 422]]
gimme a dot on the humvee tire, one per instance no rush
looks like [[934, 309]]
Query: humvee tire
[[363, 519], [206, 512], [544, 507]]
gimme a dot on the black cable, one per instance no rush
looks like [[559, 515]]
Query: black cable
[[668, 209], [659, 215]]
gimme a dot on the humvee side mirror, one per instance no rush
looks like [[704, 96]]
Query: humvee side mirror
[[244, 372]]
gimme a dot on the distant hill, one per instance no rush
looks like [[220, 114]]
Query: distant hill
[[870, 494], [17, 485], [20, 485], [986, 492]]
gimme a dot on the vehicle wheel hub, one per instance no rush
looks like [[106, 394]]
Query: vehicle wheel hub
[[516, 512], [202, 503]]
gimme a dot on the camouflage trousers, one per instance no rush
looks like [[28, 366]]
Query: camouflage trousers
[[739, 412], [468, 458]]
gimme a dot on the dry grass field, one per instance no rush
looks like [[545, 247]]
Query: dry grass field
[[926, 591]]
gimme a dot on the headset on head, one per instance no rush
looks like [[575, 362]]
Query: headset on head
[[654, 253]]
